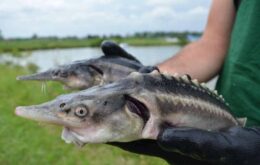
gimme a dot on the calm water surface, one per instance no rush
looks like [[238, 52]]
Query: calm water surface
[[46, 59]]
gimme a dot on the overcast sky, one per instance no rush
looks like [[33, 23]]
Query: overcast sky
[[22, 18]]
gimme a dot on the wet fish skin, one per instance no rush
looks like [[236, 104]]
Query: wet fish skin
[[133, 108], [113, 65]]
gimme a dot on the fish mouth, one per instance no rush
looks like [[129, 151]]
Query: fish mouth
[[71, 137], [138, 108]]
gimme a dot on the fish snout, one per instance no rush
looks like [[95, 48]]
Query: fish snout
[[19, 110], [42, 76]]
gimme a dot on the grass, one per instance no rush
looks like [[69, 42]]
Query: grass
[[150, 42], [16, 46], [27, 142]]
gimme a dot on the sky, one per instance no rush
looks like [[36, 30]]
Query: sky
[[23, 18]]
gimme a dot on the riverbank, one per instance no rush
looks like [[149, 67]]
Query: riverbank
[[15, 47]]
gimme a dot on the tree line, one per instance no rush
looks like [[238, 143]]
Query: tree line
[[157, 34]]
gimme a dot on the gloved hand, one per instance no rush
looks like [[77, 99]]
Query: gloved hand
[[185, 146], [151, 148], [238, 146]]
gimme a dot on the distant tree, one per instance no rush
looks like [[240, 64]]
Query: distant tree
[[92, 36], [71, 38], [34, 36], [117, 36], [50, 37], [1, 35]]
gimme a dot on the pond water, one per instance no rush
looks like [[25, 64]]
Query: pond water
[[46, 59]]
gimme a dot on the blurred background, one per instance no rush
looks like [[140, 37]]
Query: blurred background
[[39, 34]]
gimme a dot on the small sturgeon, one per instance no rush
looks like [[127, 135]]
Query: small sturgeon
[[115, 64], [136, 107]]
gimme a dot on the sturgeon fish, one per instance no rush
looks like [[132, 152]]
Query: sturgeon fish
[[115, 64], [136, 107]]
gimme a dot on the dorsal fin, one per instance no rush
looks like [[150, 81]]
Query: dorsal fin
[[202, 86], [110, 48]]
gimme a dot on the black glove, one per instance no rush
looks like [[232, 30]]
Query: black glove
[[238, 146], [151, 148]]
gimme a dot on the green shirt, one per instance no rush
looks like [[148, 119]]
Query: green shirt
[[239, 80]]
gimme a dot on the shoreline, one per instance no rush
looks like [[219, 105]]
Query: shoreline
[[17, 47]]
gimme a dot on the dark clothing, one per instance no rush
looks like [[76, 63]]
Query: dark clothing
[[239, 80], [237, 3]]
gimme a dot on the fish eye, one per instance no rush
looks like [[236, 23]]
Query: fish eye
[[64, 74], [105, 103], [55, 72], [62, 105], [81, 111]]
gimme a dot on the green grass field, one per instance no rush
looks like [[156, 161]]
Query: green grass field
[[27, 142], [15, 46]]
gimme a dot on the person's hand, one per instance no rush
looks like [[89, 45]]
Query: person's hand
[[186, 146], [238, 146], [151, 148]]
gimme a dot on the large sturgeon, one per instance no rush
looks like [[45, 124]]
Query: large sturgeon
[[136, 107], [115, 64]]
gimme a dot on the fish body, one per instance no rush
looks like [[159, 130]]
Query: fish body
[[136, 107], [113, 65]]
